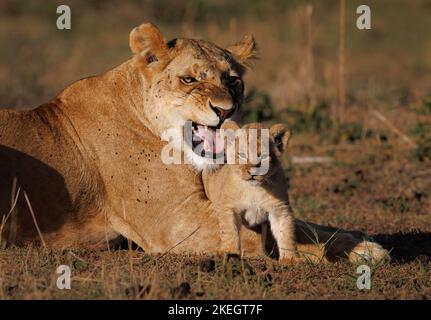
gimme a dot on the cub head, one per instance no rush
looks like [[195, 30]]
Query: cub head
[[261, 154], [189, 81]]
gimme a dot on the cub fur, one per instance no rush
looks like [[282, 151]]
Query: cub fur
[[253, 191]]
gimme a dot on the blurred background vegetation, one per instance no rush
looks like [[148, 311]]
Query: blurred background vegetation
[[296, 79]]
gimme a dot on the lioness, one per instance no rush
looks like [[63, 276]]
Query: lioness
[[253, 189], [85, 168]]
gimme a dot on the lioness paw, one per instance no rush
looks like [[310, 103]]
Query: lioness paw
[[290, 259], [371, 252]]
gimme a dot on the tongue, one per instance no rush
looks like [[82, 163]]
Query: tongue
[[212, 142]]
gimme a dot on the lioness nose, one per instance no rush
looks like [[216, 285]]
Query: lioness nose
[[223, 114]]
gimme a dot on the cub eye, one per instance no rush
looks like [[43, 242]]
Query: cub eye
[[233, 80], [188, 80]]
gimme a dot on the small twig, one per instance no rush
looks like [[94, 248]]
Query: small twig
[[421, 174], [394, 129], [34, 220], [309, 57], [306, 160], [173, 247], [13, 204], [341, 62], [88, 279], [77, 257], [340, 146], [6, 217], [13, 213]]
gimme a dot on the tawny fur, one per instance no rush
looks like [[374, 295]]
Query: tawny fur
[[89, 160], [241, 195]]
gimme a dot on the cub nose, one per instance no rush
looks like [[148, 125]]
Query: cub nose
[[221, 113]]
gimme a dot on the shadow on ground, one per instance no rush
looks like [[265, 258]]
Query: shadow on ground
[[407, 246]]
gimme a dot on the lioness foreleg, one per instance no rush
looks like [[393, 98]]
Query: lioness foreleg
[[127, 231]]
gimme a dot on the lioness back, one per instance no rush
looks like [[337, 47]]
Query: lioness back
[[39, 148]]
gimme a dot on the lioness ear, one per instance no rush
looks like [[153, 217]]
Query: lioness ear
[[244, 50], [280, 135], [147, 41]]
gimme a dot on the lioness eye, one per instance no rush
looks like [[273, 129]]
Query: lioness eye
[[233, 80], [188, 80]]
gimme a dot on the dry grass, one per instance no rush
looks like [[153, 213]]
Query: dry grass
[[360, 191], [377, 183]]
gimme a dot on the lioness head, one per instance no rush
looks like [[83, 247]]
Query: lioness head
[[261, 158], [190, 81]]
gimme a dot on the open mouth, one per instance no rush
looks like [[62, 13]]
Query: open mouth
[[206, 141]]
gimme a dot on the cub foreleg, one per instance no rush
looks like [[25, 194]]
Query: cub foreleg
[[229, 231], [283, 228]]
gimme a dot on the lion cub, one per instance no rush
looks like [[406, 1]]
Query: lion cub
[[243, 195]]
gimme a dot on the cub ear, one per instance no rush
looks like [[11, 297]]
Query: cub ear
[[244, 50], [147, 41], [280, 135]]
